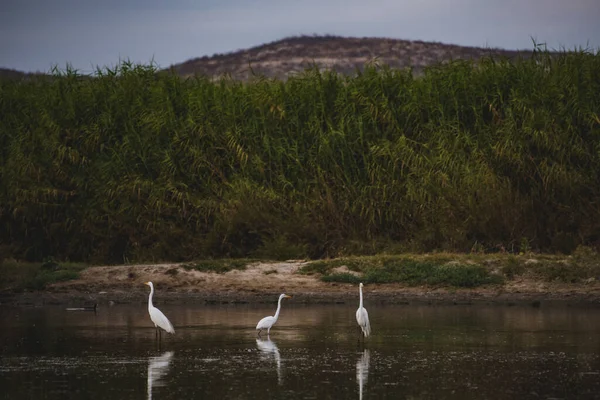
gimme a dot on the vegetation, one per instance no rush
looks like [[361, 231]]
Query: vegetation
[[415, 273], [135, 165], [459, 270], [411, 270], [19, 276], [218, 266]]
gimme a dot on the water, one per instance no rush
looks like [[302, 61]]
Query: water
[[416, 352]]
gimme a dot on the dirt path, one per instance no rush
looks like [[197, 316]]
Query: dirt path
[[261, 282]]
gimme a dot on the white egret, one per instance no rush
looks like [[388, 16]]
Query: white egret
[[268, 322], [362, 316], [159, 319]]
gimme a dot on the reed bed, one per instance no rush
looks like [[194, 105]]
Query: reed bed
[[133, 164]]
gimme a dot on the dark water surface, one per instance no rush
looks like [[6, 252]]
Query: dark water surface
[[416, 352]]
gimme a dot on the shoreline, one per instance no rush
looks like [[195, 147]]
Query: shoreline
[[262, 282], [431, 297]]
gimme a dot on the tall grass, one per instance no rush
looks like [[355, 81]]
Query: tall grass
[[138, 165]]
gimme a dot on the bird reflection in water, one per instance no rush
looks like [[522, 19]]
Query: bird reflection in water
[[269, 348], [157, 368], [362, 371]]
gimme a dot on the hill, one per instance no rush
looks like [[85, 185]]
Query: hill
[[292, 55], [8, 73], [282, 58]]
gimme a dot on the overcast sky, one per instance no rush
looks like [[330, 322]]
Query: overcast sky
[[37, 34]]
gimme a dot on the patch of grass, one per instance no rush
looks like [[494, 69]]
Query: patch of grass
[[512, 268], [428, 273], [46, 278], [583, 264], [586, 255], [19, 276], [461, 270], [356, 264], [218, 266], [320, 267], [567, 271], [559, 271], [343, 277], [427, 270], [271, 271]]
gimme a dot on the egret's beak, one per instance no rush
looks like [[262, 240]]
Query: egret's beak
[[287, 297], [147, 283]]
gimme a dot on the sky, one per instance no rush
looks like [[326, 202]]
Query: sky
[[36, 35]]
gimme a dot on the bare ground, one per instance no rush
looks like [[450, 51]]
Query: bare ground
[[262, 282]]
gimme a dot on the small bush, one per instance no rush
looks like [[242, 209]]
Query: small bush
[[564, 271], [218, 266], [356, 264], [342, 277], [16, 276], [413, 272], [585, 254], [513, 268], [464, 276], [427, 273], [44, 278], [320, 267]]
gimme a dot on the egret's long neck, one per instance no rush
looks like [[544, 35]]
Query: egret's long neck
[[278, 309], [152, 294], [361, 301]]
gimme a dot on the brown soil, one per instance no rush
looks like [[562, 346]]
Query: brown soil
[[261, 282]]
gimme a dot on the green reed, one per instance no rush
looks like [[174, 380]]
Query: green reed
[[138, 165]]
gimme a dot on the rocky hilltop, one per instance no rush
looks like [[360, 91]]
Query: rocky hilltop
[[283, 58]]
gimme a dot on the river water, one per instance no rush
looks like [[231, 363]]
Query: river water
[[415, 352]]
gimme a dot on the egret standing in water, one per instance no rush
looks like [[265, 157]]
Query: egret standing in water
[[159, 319], [268, 322], [362, 316]]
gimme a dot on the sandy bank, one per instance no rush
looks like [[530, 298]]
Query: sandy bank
[[261, 282]]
